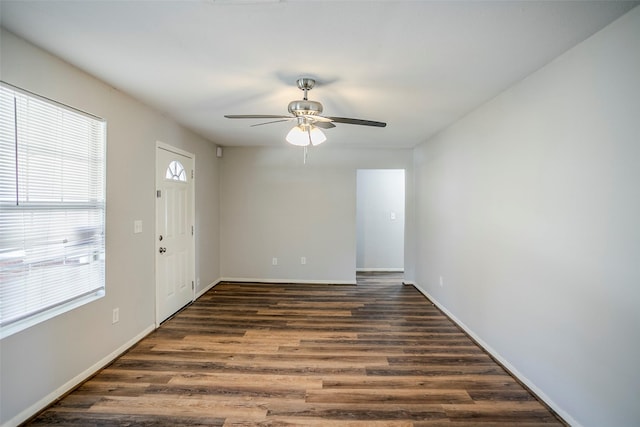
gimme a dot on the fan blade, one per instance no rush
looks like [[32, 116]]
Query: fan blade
[[317, 118], [324, 125], [319, 121], [357, 121], [255, 116], [275, 121]]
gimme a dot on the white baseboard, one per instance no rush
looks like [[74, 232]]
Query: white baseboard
[[75, 381], [205, 289], [381, 270], [311, 282], [565, 416]]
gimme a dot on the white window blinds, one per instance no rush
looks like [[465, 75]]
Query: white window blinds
[[52, 208]]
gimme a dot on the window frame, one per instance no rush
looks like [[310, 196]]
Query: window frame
[[93, 208]]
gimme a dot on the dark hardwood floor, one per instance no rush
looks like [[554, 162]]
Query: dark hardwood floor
[[376, 354]]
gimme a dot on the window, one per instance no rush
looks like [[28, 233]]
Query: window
[[175, 172], [52, 209]]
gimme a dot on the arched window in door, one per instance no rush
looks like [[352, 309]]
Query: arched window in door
[[176, 172]]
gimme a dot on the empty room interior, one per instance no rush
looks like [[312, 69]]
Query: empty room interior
[[320, 213]]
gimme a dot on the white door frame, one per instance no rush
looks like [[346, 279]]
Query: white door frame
[[192, 263]]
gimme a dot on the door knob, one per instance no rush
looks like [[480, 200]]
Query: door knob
[[163, 250]]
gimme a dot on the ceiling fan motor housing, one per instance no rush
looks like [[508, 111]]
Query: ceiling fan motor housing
[[305, 107]]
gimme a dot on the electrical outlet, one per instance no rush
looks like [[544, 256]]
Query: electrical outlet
[[303, 260], [441, 282], [116, 315], [274, 261]]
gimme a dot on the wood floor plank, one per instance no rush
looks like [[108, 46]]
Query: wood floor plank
[[95, 419], [375, 354], [380, 397], [504, 412], [182, 406], [470, 383], [295, 382], [405, 412]]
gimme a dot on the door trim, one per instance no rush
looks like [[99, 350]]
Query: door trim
[[167, 147]]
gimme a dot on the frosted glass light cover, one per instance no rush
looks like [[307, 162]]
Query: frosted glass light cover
[[300, 137]]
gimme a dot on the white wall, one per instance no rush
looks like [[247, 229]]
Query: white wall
[[380, 220], [39, 363], [273, 205], [530, 210]]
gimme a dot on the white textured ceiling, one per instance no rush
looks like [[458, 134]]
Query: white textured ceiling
[[418, 65]]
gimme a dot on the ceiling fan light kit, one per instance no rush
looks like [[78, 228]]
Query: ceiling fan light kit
[[308, 115], [303, 135]]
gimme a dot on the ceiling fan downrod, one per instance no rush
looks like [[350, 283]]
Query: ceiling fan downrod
[[305, 84], [304, 107]]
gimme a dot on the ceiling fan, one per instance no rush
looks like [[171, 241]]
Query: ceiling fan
[[309, 119]]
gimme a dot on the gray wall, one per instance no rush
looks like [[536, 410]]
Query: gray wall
[[380, 220], [529, 209], [272, 205], [43, 361]]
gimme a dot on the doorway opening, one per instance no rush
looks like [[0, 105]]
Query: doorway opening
[[380, 223]]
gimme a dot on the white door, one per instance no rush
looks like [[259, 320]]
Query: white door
[[175, 264]]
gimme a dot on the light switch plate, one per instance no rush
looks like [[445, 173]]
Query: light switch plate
[[137, 226]]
